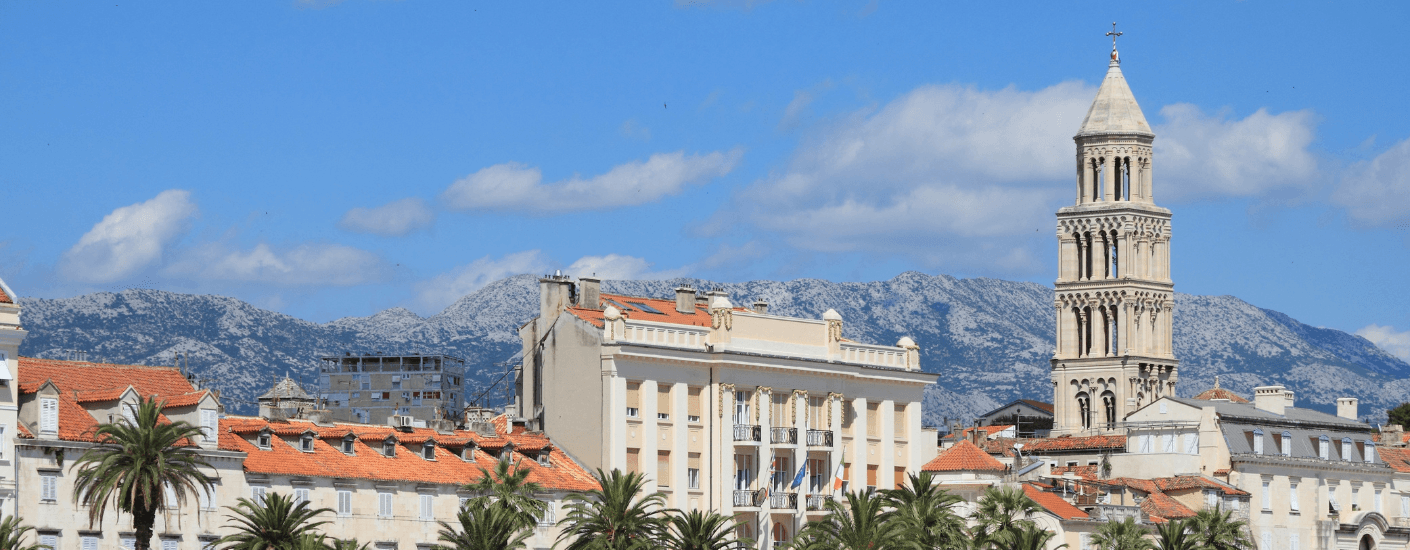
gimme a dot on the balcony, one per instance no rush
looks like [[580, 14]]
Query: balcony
[[745, 432], [818, 502], [788, 501], [819, 438], [784, 436], [748, 498]]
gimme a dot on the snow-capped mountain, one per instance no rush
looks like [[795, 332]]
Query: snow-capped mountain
[[989, 339]]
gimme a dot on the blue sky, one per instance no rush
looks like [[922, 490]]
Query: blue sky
[[335, 159]]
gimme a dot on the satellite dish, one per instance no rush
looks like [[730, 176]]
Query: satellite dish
[[1018, 446]]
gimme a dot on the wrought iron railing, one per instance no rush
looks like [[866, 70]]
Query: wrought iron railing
[[786, 436], [819, 438], [788, 501], [748, 497], [745, 432], [818, 502]]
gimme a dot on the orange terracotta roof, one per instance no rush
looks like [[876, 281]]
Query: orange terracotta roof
[[1048, 407], [5, 298], [964, 457], [1222, 472], [185, 399], [699, 317], [24, 432], [327, 460], [1398, 458], [1070, 443], [1160, 505], [97, 396], [1142, 485], [95, 382], [1088, 472], [1178, 483], [989, 431], [1053, 503], [1219, 393]]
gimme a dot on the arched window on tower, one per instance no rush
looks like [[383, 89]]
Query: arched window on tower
[[1124, 186], [1115, 259], [1084, 408], [1109, 407]]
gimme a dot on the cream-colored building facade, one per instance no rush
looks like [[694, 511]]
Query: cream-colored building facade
[[11, 335], [1114, 293], [722, 406]]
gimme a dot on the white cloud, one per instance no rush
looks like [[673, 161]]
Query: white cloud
[[444, 289], [1395, 343], [302, 265], [394, 219], [1377, 192], [632, 129], [1200, 156], [129, 239], [515, 187], [617, 266]]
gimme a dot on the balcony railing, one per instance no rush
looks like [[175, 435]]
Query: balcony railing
[[818, 502], [748, 497], [788, 501], [745, 432], [819, 438], [786, 436]]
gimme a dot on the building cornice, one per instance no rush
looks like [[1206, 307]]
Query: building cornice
[[783, 363]]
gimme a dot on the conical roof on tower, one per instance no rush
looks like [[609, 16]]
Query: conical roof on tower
[[1115, 110]]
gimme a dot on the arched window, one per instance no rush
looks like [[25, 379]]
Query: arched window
[[1370, 451], [1346, 449], [1286, 444], [1084, 408], [780, 534], [1257, 441], [1109, 406], [1324, 445], [389, 448], [428, 450]]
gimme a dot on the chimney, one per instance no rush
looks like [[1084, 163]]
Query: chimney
[[685, 299], [1346, 407], [1392, 435], [1271, 399], [761, 307], [554, 296], [590, 296]]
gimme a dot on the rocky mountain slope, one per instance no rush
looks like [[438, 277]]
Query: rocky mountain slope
[[990, 339]]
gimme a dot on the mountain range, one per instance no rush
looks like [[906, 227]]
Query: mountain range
[[989, 339]]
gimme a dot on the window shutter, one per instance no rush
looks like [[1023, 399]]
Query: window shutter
[[49, 487], [300, 495], [344, 503], [169, 494], [257, 492], [1292, 497], [128, 542], [663, 399], [663, 468], [1192, 443], [633, 460], [50, 541], [694, 402], [426, 502], [384, 504], [48, 415], [634, 395], [89, 543], [210, 420], [129, 412], [899, 422], [170, 544], [1146, 441], [871, 475]]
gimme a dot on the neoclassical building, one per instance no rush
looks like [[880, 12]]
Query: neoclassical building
[[1114, 294]]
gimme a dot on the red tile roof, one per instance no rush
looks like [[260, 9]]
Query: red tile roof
[[1048, 407], [964, 457], [1397, 458], [1220, 393], [1178, 483], [327, 460], [699, 316], [80, 381], [5, 298], [989, 431], [1070, 443], [1088, 472], [1053, 503], [1160, 505]]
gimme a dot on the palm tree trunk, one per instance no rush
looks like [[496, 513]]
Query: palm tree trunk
[[142, 523]]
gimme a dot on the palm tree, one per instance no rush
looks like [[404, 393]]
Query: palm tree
[[1121, 535], [486, 525], [614, 516], [1174, 535], [697, 530], [1218, 530], [864, 522], [1027, 536], [510, 485], [133, 464], [277, 523], [12, 531], [1001, 510], [350, 544], [928, 513]]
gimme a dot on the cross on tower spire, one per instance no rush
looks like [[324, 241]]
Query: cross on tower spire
[[1113, 34]]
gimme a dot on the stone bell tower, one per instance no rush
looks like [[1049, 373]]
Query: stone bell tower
[[1114, 294]]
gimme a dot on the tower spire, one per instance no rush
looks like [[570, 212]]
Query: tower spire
[[1113, 34]]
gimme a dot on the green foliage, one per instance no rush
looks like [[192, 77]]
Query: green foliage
[[510, 485], [12, 533], [1121, 535], [1002, 510], [927, 514], [1024, 536], [862, 522], [1215, 529], [132, 464], [275, 524], [1400, 415], [698, 530], [615, 516], [1175, 535], [487, 525]]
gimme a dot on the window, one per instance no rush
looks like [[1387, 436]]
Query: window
[[778, 412], [1286, 444], [169, 495], [51, 541], [1267, 541], [263, 440], [741, 408], [900, 478], [257, 493], [129, 543], [344, 502], [1355, 497], [348, 444], [633, 399], [207, 498], [129, 412], [1192, 443], [1292, 497], [1211, 499], [692, 471], [1163, 409], [88, 543], [1377, 504], [663, 468], [1267, 500], [1167, 443], [48, 415], [1146, 443], [871, 477], [1370, 451], [742, 471], [663, 401], [468, 453], [544, 457], [389, 448], [899, 422], [873, 419], [306, 443], [384, 505], [817, 473], [427, 513], [693, 409], [1293, 542], [210, 422], [781, 473], [170, 544], [847, 415], [463, 502], [1323, 447], [428, 450], [49, 487], [1258, 442], [633, 460], [817, 417], [1346, 448]]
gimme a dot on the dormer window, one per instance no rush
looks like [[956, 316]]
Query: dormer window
[[1258, 442], [468, 453], [1346, 449], [389, 448], [306, 443], [1370, 452], [543, 457], [348, 444], [263, 440], [428, 450], [49, 415], [1324, 447], [1287, 443], [507, 454]]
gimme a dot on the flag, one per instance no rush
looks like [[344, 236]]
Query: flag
[[802, 473], [837, 477]]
